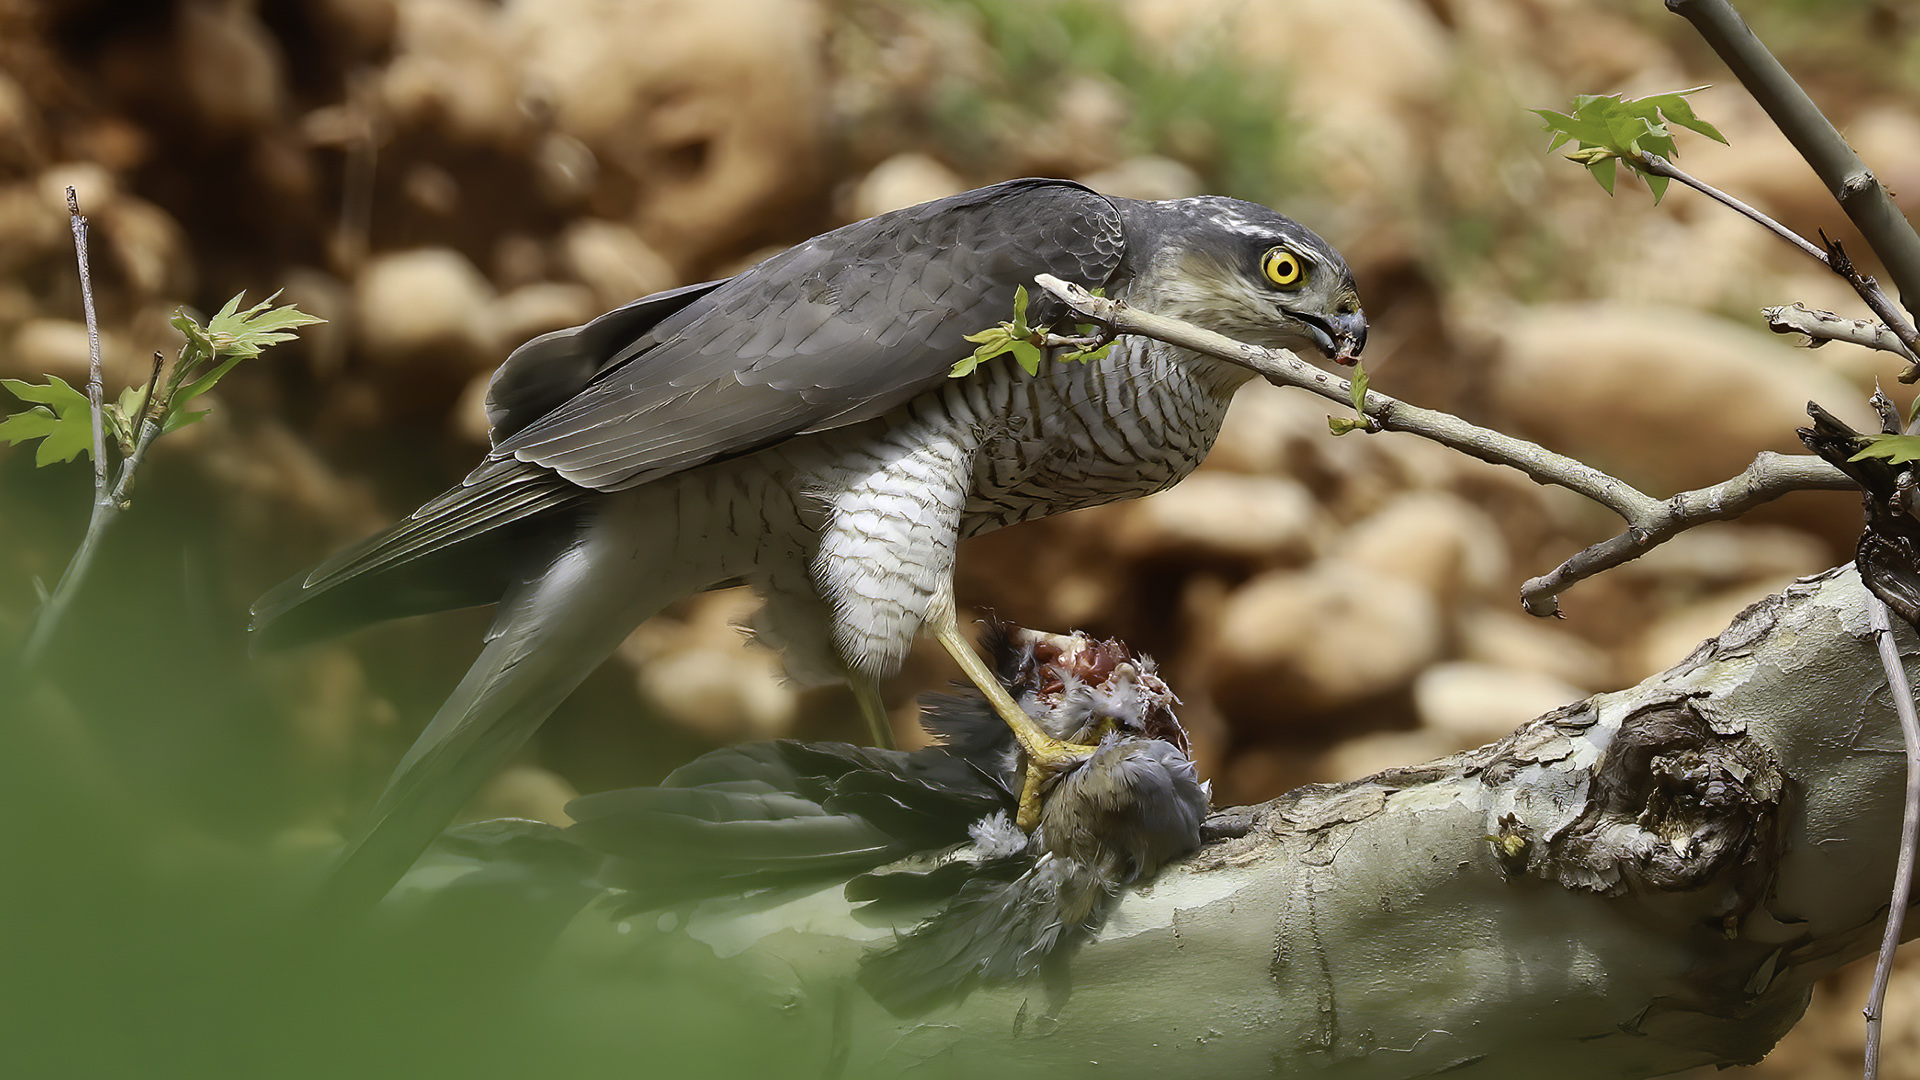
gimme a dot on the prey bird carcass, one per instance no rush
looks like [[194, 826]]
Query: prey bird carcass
[[933, 828], [795, 428]]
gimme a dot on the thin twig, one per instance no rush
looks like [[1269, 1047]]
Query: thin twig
[[1879, 303], [1660, 166], [1825, 326], [96, 392], [104, 506], [139, 418], [1800, 120], [1877, 617], [1833, 257], [1649, 521], [1770, 476]]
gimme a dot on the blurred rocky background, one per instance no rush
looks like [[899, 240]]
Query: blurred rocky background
[[443, 179]]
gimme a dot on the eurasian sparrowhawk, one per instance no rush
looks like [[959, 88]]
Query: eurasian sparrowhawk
[[795, 428]]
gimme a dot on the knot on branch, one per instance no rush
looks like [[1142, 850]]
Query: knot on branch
[[1672, 805]]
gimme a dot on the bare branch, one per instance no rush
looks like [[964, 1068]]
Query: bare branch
[[1770, 476], [1880, 304], [1650, 521], [1863, 198], [1909, 823], [1833, 257], [1660, 166], [1825, 326], [104, 506], [96, 393]]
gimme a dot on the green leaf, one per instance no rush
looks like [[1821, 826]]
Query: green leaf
[[1896, 449], [1609, 127], [232, 335], [119, 416], [195, 334], [1357, 389], [63, 419], [1340, 425], [245, 333], [1020, 327], [1603, 172], [1083, 356], [179, 418], [1675, 108], [993, 341], [204, 383], [1027, 355]]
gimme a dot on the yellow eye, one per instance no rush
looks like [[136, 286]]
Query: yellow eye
[[1282, 267]]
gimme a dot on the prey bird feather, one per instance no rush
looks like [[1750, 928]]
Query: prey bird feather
[[794, 428], [906, 830]]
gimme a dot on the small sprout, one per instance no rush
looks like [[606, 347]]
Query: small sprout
[[1357, 395], [1027, 343], [63, 420], [1613, 128]]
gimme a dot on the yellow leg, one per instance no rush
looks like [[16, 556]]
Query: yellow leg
[[873, 710], [1044, 752]]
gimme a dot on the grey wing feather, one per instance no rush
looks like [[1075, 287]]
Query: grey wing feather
[[837, 330], [543, 373], [513, 501]]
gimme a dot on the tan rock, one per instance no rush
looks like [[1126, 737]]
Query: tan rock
[[565, 168], [425, 303], [16, 304], [904, 180], [455, 68], [1291, 643], [325, 296], [715, 123], [370, 23], [1434, 539], [1719, 554], [96, 188], [59, 347], [30, 226], [1667, 399], [468, 417], [1360, 116], [1470, 704], [1146, 177], [1377, 751], [149, 246], [1672, 637], [23, 138], [525, 791], [614, 262], [229, 65], [703, 672], [1223, 515], [531, 310], [1545, 647]]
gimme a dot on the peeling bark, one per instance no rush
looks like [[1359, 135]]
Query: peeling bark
[[1646, 881]]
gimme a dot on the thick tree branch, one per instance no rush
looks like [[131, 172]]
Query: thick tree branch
[[1647, 881], [1650, 521]]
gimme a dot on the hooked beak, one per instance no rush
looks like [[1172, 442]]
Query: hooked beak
[[1340, 337]]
